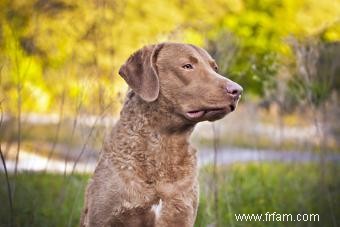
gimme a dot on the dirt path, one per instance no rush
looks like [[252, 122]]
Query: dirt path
[[34, 162], [232, 155]]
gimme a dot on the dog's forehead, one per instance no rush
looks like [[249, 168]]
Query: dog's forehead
[[184, 50]]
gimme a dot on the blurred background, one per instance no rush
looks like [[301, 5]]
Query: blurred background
[[60, 93]]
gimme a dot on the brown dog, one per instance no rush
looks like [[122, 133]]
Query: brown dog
[[147, 172]]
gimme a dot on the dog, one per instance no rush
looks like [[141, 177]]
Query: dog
[[147, 170]]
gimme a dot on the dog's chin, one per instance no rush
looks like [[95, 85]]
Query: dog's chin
[[216, 116], [209, 114]]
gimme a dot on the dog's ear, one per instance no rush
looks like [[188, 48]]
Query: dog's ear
[[140, 72]]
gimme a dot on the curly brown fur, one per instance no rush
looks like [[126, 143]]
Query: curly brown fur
[[147, 171]]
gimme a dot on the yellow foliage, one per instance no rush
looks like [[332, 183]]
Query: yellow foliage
[[73, 46]]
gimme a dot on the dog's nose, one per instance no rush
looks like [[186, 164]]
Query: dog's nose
[[234, 88]]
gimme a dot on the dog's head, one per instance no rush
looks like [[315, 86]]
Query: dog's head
[[184, 75]]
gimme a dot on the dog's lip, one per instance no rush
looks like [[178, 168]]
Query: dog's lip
[[198, 113]]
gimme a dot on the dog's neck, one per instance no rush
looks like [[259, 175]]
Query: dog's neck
[[153, 137], [158, 116]]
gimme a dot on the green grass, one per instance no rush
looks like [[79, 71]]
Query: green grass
[[50, 200], [43, 200], [271, 187]]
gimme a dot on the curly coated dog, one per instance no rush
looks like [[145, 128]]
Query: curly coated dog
[[147, 171]]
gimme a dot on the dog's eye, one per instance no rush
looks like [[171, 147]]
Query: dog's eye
[[187, 66], [216, 68]]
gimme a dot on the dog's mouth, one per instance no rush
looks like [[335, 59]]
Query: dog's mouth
[[210, 112]]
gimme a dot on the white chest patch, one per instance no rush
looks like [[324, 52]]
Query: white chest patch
[[157, 209]]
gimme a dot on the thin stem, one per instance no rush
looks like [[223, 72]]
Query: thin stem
[[88, 138], [215, 174], [56, 137], [9, 191], [74, 126]]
